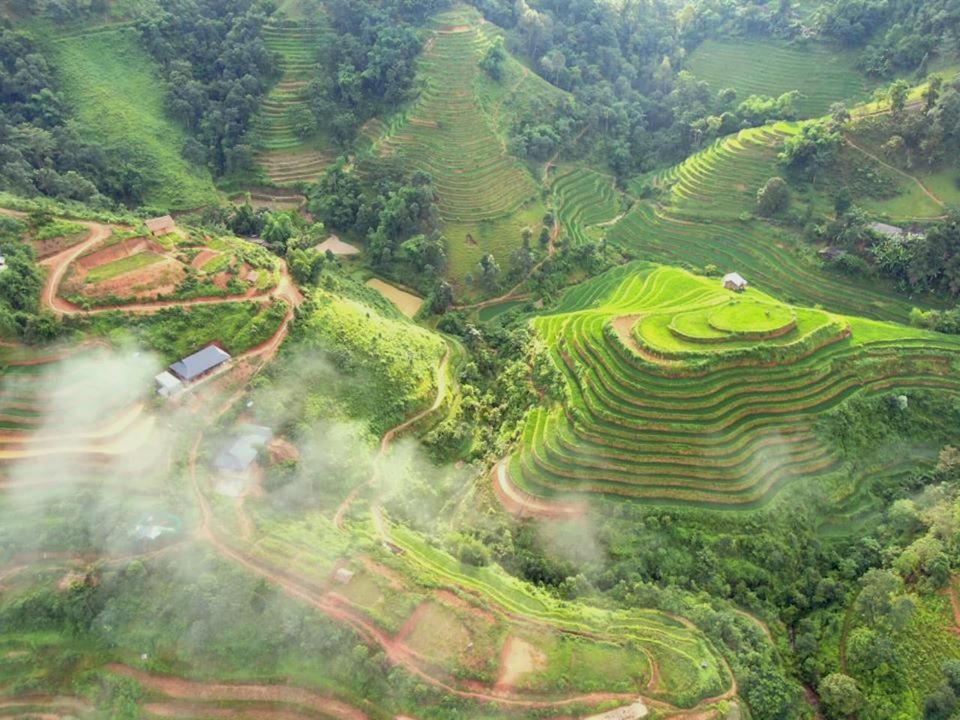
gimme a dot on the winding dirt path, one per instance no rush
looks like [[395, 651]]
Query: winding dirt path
[[286, 694], [522, 504], [897, 170], [389, 436]]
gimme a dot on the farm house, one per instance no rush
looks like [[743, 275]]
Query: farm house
[[734, 281], [235, 460], [199, 364], [161, 226]]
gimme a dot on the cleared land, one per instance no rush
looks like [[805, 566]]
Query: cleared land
[[754, 67], [681, 391], [119, 102], [408, 303]]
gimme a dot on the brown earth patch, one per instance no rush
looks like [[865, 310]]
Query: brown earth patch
[[519, 658], [454, 600], [119, 250], [408, 303], [158, 278], [394, 579], [195, 710], [52, 246], [202, 257], [281, 450]]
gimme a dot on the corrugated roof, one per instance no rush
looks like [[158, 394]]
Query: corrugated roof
[[735, 278], [161, 225], [200, 362], [884, 229], [243, 451]]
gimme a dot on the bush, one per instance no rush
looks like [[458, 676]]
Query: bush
[[773, 198]]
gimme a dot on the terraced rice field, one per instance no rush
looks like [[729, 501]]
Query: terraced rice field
[[286, 157], [687, 668], [664, 416], [757, 67], [486, 196], [34, 426], [704, 218], [586, 201], [722, 181]]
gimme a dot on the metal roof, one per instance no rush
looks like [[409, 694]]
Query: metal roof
[[243, 451], [889, 230], [200, 362], [735, 278]]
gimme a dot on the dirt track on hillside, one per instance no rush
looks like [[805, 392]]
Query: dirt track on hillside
[[392, 433]]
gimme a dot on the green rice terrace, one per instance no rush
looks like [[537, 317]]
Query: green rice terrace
[[587, 202], [821, 74], [453, 132], [291, 150], [704, 216], [682, 391]]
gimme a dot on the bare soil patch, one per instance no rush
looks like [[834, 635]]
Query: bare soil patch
[[337, 246], [202, 257], [159, 278], [408, 303], [122, 249], [52, 246], [519, 658]]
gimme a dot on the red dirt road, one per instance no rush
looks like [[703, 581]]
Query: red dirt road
[[285, 694], [389, 436], [523, 504]]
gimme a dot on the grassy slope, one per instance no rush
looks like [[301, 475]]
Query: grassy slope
[[119, 102], [751, 67]]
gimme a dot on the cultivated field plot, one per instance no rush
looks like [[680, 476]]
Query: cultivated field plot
[[680, 390], [757, 67], [110, 82], [546, 647], [486, 196], [129, 267], [288, 153]]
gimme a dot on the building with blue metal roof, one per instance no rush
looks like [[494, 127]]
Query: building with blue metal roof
[[200, 363]]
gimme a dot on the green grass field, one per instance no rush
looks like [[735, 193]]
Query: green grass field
[[119, 102], [708, 419], [753, 67]]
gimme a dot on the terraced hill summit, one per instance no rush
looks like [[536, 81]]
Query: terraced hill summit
[[288, 154], [455, 132], [682, 391]]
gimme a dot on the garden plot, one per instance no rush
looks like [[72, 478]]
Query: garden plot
[[128, 268]]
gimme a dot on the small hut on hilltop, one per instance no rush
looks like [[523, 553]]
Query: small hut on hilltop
[[734, 281]]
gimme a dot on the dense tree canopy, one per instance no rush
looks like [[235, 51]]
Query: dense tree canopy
[[39, 152], [217, 69]]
